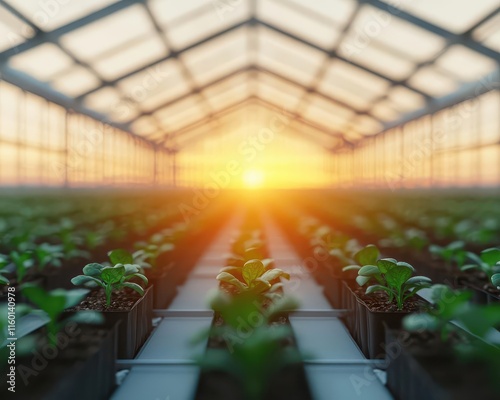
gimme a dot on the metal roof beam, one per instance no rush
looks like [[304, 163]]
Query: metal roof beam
[[464, 39]]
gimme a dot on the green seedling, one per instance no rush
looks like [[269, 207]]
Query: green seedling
[[255, 278], [487, 262], [22, 263], [112, 278], [393, 277], [452, 305], [253, 358], [47, 254], [147, 255], [53, 303], [452, 253]]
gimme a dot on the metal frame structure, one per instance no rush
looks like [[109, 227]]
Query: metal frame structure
[[432, 104]]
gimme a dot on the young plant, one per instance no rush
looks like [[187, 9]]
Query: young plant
[[112, 278], [147, 255], [452, 253], [255, 278], [47, 254], [53, 303], [454, 305], [255, 357], [488, 263], [393, 277], [22, 262], [448, 303]]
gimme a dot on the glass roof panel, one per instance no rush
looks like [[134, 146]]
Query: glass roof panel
[[233, 94], [291, 19], [454, 15], [401, 38], [131, 58], [145, 126], [489, 33], [406, 99], [465, 64], [205, 25], [103, 99], [284, 55], [156, 86], [13, 31], [383, 111], [376, 59], [339, 11], [167, 11], [352, 85], [325, 113], [50, 15], [47, 55], [179, 114], [366, 125], [227, 85], [94, 40], [75, 82], [431, 81], [283, 93], [218, 57]]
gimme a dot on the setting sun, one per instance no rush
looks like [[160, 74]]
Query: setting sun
[[253, 178]]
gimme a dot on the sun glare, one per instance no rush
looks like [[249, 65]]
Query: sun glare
[[253, 178]]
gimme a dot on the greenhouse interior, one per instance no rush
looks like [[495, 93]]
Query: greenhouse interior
[[250, 199]]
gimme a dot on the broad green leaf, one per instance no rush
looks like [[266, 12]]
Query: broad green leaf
[[405, 264], [480, 319], [93, 269], [52, 303], [398, 275], [351, 268], [140, 276], [456, 245], [267, 262], [369, 270], [113, 274], [368, 255], [419, 322], [228, 278], [74, 297], [377, 288], [490, 256], [83, 279], [418, 279], [252, 270], [386, 264], [273, 274], [134, 286], [4, 280], [362, 280], [259, 285], [131, 268], [495, 280], [120, 256]]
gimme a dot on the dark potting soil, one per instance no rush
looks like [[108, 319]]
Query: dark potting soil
[[379, 302], [122, 300]]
